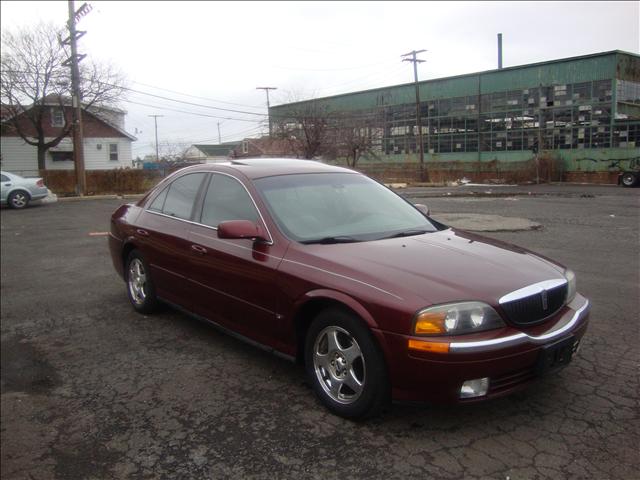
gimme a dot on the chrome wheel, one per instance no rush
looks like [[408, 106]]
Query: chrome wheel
[[339, 365], [137, 280]]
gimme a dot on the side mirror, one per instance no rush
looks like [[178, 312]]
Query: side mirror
[[241, 229], [423, 209]]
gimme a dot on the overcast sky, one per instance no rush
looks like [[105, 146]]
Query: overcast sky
[[221, 51]]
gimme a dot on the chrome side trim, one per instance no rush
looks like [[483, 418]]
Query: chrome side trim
[[532, 290], [519, 338]]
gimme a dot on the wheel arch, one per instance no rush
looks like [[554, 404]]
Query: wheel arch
[[127, 247], [312, 303], [18, 189]]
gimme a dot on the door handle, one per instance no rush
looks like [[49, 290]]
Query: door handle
[[142, 233], [198, 249]]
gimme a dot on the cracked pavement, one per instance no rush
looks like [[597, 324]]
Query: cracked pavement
[[92, 390]]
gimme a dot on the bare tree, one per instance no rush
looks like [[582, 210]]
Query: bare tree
[[172, 151], [306, 126], [357, 135], [34, 75]]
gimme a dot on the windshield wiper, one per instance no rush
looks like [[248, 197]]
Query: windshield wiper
[[328, 240], [407, 233]]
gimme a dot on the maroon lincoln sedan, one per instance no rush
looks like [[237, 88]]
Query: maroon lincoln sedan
[[329, 268]]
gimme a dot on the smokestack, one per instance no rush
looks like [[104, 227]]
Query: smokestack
[[499, 50]]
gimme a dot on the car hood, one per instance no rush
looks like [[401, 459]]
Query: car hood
[[438, 267]]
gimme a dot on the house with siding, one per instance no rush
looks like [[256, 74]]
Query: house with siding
[[106, 144], [210, 153]]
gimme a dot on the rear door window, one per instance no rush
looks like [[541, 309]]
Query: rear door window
[[181, 196]]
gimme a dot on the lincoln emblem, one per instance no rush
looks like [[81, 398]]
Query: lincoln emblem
[[545, 303]]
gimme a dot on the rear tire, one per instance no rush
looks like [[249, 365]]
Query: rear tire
[[345, 365], [140, 288], [18, 199], [629, 179]]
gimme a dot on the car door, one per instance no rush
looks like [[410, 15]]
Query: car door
[[234, 279], [162, 235]]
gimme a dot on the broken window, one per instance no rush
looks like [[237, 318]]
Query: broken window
[[602, 90], [628, 91], [471, 143], [581, 92]]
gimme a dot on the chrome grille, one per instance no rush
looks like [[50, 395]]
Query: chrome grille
[[536, 307]]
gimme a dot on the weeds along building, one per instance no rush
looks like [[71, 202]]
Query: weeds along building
[[581, 115]]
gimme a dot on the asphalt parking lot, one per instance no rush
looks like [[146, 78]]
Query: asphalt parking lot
[[92, 390]]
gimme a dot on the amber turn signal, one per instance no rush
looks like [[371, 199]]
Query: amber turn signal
[[435, 347], [430, 323]]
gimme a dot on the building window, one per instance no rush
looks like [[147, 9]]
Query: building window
[[113, 152], [245, 147], [628, 91], [57, 117], [61, 156]]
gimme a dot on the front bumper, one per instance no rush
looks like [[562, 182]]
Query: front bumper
[[508, 357]]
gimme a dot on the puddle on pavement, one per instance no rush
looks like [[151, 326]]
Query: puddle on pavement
[[24, 368]]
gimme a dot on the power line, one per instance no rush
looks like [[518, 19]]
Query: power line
[[198, 97], [190, 113], [328, 69]]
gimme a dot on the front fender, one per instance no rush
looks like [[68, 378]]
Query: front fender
[[338, 297]]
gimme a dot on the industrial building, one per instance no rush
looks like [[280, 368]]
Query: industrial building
[[578, 117]]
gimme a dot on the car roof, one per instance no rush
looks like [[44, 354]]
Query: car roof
[[267, 167]]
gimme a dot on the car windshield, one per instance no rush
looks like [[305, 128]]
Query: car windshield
[[339, 208]]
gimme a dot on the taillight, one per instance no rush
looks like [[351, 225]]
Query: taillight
[[40, 183]]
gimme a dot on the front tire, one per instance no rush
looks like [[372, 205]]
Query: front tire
[[18, 199], [629, 179], [345, 365], [140, 289]]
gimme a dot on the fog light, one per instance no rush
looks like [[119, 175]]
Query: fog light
[[474, 388]]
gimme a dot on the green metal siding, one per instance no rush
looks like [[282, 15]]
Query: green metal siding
[[499, 114], [594, 67]]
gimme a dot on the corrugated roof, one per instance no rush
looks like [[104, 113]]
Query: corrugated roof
[[422, 82]]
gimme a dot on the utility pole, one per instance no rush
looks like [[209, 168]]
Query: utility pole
[[155, 119], [76, 99], [411, 57], [219, 138], [266, 89]]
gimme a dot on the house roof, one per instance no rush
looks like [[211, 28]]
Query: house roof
[[219, 150], [54, 100]]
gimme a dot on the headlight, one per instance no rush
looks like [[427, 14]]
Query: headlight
[[571, 284], [456, 318]]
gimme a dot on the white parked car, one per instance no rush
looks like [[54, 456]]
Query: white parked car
[[17, 191]]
